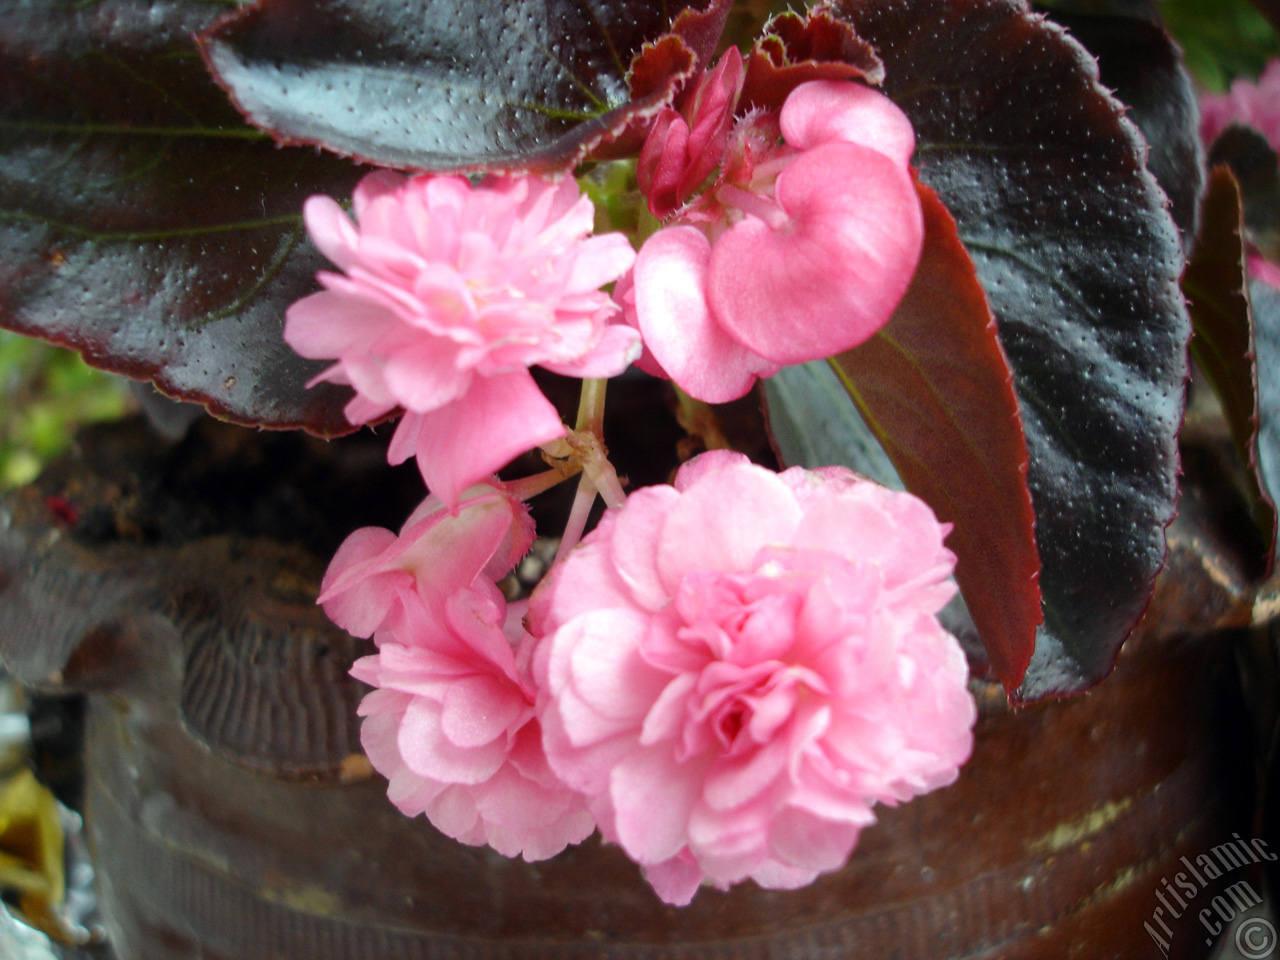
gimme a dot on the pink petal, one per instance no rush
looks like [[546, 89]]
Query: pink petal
[[678, 325], [774, 876], [600, 260], [722, 525], [453, 812], [349, 599], [705, 464], [618, 348], [331, 231], [652, 797], [473, 621], [449, 551], [675, 880], [429, 753], [670, 710], [636, 539], [826, 111], [832, 276], [811, 843], [370, 189], [498, 419], [606, 669], [737, 781], [330, 324], [1264, 270], [710, 120], [477, 710], [420, 670], [663, 161], [595, 585]]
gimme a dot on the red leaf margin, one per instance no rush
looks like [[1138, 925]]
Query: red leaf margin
[[935, 386]]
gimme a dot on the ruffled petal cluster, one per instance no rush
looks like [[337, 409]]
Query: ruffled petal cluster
[[448, 293], [451, 721], [735, 669], [799, 247]]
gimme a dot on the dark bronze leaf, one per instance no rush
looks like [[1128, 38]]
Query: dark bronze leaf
[[1080, 261], [142, 223], [455, 84]]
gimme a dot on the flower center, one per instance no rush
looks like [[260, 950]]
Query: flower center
[[748, 690]]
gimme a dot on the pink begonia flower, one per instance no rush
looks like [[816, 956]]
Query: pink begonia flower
[[448, 293], [1254, 105], [451, 721], [733, 670], [801, 246]]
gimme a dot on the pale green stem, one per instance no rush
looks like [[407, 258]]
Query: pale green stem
[[582, 501], [699, 420], [605, 480], [595, 463], [586, 447], [591, 406], [529, 487]]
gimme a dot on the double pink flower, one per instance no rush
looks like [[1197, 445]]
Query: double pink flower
[[725, 676], [451, 721], [448, 294], [734, 670]]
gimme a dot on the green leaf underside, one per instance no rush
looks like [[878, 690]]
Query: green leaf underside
[[1079, 261], [935, 387], [1264, 300], [1217, 298], [450, 84], [812, 424], [143, 224]]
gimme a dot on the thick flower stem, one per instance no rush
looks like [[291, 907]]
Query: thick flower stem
[[591, 406]]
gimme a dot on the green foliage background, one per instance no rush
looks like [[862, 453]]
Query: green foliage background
[[46, 392], [1222, 39]]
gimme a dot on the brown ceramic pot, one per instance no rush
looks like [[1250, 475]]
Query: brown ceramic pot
[[233, 818]]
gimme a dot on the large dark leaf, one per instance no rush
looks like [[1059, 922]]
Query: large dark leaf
[[141, 222], [936, 388], [1142, 66], [1080, 261], [1216, 286], [528, 85]]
